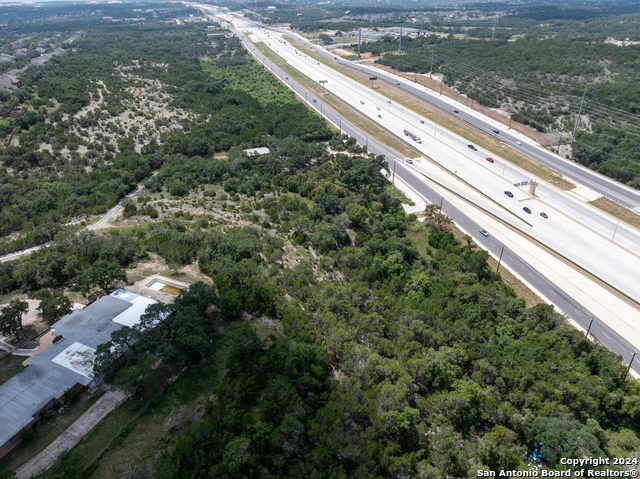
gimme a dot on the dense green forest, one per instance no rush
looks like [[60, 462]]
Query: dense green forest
[[87, 100], [402, 353], [393, 363]]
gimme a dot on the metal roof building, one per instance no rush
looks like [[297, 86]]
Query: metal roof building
[[257, 151], [66, 364]]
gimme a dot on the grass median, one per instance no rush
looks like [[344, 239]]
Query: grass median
[[347, 112], [487, 142], [618, 211]]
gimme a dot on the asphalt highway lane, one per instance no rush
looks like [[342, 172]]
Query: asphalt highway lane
[[548, 289], [614, 190], [573, 229]]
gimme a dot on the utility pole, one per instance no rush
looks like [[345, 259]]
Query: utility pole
[[504, 167], [359, 38], [500, 260], [589, 328], [578, 119], [393, 178], [494, 28], [431, 71], [400, 46]]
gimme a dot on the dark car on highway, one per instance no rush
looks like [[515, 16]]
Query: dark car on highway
[[526, 210], [456, 111], [509, 194], [497, 132], [470, 146]]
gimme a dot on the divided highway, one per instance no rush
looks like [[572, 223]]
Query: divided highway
[[614, 190], [551, 291], [572, 228]]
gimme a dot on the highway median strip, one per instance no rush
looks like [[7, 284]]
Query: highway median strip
[[567, 261], [453, 124]]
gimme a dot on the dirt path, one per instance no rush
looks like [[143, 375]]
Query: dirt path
[[72, 435]]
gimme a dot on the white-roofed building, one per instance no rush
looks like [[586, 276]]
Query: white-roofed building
[[66, 364]]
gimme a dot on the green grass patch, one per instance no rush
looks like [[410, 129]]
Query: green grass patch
[[618, 211], [396, 193]]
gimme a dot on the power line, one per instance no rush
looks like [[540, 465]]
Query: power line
[[516, 91], [628, 119], [607, 153]]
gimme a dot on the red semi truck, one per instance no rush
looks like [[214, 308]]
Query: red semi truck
[[413, 136]]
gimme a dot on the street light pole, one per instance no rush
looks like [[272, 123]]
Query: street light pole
[[617, 224], [589, 328], [504, 167], [630, 363], [500, 260]]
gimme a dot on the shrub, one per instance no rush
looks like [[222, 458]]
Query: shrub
[[27, 434]]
